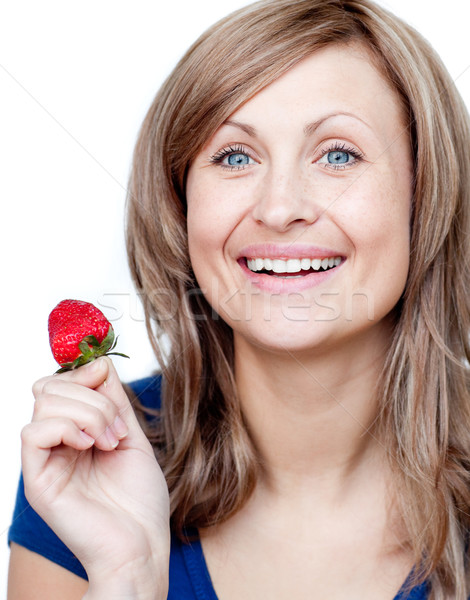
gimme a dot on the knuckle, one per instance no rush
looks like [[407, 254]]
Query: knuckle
[[107, 408], [44, 403], [48, 387], [101, 420], [38, 385], [102, 404], [26, 432], [92, 417], [53, 385]]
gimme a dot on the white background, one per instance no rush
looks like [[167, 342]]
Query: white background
[[75, 82]]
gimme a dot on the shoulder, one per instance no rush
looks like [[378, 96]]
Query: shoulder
[[147, 391], [189, 576]]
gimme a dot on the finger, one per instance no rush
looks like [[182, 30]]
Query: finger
[[65, 389], [112, 388], [39, 438], [101, 376], [91, 412], [91, 376]]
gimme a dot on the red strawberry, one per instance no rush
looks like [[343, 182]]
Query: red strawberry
[[79, 333]]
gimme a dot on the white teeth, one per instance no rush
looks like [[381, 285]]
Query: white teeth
[[316, 264], [292, 265], [279, 266]]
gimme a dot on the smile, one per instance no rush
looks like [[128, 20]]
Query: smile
[[292, 267]]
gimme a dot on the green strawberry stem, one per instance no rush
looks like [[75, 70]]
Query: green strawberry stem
[[91, 349]]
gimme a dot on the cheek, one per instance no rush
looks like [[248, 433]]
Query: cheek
[[215, 209], [211, 217], [202, 214], [204, 228], [376, 208], [376, 220]]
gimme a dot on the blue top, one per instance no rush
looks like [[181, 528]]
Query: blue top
[[189, 576]]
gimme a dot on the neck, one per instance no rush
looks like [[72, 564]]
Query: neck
[[311, 415]]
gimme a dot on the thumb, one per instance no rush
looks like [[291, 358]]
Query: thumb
[[112, 388], [91, 375]]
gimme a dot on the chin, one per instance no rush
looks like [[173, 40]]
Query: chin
[[317, 336], [287, 337]]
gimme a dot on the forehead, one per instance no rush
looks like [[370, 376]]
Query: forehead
[[338, 78]]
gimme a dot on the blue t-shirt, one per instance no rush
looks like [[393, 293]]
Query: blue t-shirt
[[189, 576]]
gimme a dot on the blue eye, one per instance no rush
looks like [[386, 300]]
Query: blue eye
[[237, 160], [338, 157], [234, 158]]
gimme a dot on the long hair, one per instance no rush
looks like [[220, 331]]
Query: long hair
[[202, 443]]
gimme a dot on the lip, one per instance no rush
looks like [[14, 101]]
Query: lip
[[280, 285], [285, 251]]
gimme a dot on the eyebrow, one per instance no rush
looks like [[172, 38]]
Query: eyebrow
[[309, 128], [251, 131]]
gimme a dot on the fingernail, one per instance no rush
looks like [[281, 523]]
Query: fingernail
[[120, 428], [87, 438], [94, 365], [102, 364], [111, 437]]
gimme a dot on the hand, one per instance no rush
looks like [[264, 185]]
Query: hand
[[91, 474]]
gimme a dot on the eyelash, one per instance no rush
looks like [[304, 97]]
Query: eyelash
[[219, 156], [342, 147]]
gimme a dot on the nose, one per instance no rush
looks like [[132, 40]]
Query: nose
[[285, 199]]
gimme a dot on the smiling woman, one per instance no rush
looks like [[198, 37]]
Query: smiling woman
[[298, 193], [330, 185]]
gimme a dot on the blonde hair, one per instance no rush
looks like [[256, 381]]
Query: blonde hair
[[201, 441]]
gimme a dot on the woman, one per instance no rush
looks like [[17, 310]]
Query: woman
[[298, 226]]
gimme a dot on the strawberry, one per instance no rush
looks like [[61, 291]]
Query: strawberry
[[79, 333]]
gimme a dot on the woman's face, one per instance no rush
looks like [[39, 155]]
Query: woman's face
[[298, 207]]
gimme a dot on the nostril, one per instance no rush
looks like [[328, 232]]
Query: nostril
[[280, 213]]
